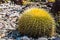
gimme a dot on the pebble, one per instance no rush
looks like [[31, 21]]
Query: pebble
[[24, 38], [42, 38]]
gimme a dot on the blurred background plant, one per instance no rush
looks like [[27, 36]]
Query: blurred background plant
[[4, 1]]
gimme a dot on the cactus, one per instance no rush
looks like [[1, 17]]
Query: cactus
[[36, 22]]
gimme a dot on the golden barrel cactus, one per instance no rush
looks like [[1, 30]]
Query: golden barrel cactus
[[36, 22]]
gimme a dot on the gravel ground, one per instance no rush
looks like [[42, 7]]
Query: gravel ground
[[8, 17]]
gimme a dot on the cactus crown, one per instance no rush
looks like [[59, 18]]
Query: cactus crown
[[36, 22]]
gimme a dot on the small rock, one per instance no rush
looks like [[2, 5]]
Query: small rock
[[24, 38], [42, 38]]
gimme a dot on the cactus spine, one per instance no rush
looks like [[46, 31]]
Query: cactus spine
[[36, 22]]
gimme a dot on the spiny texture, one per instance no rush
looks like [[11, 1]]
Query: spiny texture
[[36, 22]]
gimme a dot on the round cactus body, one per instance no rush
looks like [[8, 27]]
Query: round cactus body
[[36, 22]]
